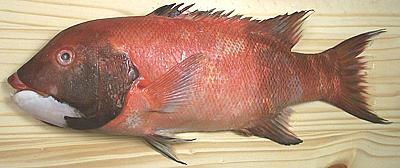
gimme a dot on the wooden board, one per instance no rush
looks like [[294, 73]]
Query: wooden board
[[330, 136]]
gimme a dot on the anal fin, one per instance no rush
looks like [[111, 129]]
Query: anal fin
[[274, 128]]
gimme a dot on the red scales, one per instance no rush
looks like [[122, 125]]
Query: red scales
[[175, 71]]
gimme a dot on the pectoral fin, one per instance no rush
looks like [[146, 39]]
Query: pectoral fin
[[275, 129], [174, 88], [162, 145]]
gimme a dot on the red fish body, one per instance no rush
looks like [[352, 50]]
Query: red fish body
[[200, 71]]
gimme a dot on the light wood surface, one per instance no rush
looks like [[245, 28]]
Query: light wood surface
[[330, 136]]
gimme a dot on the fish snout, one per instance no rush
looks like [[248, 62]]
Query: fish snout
[[16, 83]]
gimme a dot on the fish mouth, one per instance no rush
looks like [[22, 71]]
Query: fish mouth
[[40, 105], [18, 85]]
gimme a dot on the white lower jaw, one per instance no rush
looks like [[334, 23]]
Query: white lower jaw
[[45, 108]]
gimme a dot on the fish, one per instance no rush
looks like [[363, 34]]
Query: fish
[[175, 70]]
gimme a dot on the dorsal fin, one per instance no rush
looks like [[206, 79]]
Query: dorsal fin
[[171, 10], [285, 27]]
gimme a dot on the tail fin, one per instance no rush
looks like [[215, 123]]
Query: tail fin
[[351, 92]]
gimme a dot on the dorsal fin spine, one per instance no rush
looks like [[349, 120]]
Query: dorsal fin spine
[[285, 27]]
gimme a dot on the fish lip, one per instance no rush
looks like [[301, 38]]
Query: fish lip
[[17, 84], [20, 86]]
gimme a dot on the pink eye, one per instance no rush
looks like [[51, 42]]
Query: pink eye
[[65, 57]]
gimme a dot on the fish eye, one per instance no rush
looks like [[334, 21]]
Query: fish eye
[[65, 57]]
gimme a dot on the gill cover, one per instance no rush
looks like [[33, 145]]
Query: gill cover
[[109, 84]]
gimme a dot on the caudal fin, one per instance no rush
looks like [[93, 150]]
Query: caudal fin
[[350, 95]]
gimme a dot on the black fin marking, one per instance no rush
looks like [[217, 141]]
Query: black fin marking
[[171, 10], [162, 146], [287, 27], [172, 139], [275, 129]]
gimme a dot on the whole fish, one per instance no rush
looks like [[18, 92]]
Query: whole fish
[[175, 71]]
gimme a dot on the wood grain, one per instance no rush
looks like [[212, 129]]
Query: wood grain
[[331, 137]]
